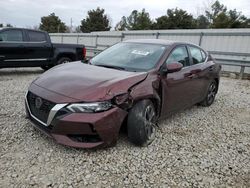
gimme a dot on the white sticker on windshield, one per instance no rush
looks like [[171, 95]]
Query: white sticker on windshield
[[138, 52]]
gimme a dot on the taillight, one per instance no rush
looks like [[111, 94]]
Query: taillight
[[84, 52]]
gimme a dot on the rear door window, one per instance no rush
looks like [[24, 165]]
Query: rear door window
[[180, 55], [36, 36], [11, 36]]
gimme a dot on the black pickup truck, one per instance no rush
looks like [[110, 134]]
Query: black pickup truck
[[31, 48]]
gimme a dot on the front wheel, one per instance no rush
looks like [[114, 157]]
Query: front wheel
[[211, 93], [142, 123]]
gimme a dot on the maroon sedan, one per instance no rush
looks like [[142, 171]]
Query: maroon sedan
[[133, 83]]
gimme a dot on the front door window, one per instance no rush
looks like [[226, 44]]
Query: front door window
[[180, 55]]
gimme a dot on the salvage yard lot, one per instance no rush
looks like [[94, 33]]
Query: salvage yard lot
[[196, 147]]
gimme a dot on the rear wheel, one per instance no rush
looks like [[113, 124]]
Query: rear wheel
[[46, 67], [63, 60], [211, 93], [142, 123]]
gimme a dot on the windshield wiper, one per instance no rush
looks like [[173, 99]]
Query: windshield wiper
[[110, 66]]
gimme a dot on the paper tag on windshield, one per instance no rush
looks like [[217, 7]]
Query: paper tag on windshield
[[138, 52]]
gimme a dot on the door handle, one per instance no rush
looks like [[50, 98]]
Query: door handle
[[190, 75]]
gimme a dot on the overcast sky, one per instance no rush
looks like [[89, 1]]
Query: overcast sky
[[28, 13]]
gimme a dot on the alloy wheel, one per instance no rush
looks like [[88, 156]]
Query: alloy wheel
[[211, 93], [150, 126]]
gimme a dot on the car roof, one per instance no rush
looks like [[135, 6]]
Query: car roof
[[153, 41], [1, 28], [19, 28], [157, 41]]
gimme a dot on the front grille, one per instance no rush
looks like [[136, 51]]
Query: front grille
[[41, 126], [41, 111]]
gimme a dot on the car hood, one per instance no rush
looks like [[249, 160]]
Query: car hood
[[84, 82]]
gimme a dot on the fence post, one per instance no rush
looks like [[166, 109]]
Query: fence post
[[77, 40], [242, 70], [122, 37], [157, 35], [201, 36], [61, 38], [96, 40]]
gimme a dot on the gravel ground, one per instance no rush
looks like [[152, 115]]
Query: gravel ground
[[198, 147]]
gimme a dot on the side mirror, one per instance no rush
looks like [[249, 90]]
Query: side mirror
[[174, 67], [170, 68]]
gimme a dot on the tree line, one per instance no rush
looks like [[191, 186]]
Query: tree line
[[7, 25], [215, 16]]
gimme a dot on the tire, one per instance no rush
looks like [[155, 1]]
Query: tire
[[211, 93], [63, 60], [46, 67], [141, 123]]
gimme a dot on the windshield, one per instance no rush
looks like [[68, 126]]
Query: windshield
[[130, 56]]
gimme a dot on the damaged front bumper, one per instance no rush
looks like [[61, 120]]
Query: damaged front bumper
[[81, 130]]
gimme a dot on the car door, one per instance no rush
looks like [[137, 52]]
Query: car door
[[39, 48], [201, 70], [12, 47], [177, 87]]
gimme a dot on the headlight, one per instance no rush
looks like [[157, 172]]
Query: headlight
[[90, 107]]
